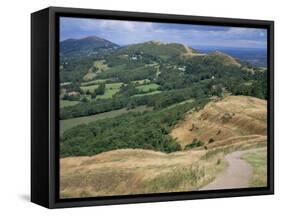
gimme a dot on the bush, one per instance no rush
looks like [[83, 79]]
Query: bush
[[195, 143], [211, 140]]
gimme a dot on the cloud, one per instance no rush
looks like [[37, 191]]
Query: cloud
[[129, 32]]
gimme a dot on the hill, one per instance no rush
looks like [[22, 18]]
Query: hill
[[133, 171], [139, 171], [158, 49], [231, 120], [85, 46], [222, 57]]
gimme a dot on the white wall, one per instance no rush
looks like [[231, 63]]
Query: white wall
[[15, 106]]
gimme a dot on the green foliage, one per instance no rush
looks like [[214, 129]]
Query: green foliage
[[74, 68], [148, 130], [195, 143], [157, 101], [100, 90], [128, 72], [128, 90]]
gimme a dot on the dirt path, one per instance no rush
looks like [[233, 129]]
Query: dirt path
[[237, 174]]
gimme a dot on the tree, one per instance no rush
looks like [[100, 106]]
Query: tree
[[100, 89]]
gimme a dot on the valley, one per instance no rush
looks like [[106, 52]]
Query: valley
[[156, 117]]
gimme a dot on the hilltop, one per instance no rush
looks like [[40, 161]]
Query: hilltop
[[85, 46], [159, 49]]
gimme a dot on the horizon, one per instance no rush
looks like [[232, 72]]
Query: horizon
[[133, 32], [196, 46]]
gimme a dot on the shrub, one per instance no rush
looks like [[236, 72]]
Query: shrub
[[211, 140], [195, 143]]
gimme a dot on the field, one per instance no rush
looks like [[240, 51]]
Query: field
[[145, 171], [90, 88], [66, 103], [148, 87], [149, 93], [69, 123], [110, 90]]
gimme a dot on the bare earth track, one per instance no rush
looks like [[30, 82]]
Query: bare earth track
[[237, 174]]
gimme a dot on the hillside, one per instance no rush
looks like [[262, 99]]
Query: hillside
[[231, 120], [85, 46], [138, 171], [158, 49], [222, 57], [132, 171]]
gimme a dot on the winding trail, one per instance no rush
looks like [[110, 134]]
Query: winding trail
[[237, 174]]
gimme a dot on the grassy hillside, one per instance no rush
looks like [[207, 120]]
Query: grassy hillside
[[138, 171], [235, 118], [135, 172]]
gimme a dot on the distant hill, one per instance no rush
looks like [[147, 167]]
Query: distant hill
[[158, 49], [85, 46]]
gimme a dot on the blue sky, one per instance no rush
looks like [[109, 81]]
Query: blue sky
[[129, 32]]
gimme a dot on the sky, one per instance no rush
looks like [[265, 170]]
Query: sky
[[132, 32]]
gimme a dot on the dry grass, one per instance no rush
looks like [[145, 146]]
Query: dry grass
[[137, 171], [126, 171], [234, 117], [258, 160]]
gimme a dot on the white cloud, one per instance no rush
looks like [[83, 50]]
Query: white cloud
[[128, 32]]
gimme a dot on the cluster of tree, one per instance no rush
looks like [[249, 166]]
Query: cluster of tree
[[72, 86], [71, 97], [74, 68], [148, 130], [157, 101], [128, 90], [126, 73], [256, 87]]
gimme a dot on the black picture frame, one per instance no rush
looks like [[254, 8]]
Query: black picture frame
[[45, 107]]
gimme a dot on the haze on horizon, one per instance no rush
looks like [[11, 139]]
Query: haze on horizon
[[132, 32]]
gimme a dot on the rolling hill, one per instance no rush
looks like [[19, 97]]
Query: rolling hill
[[231, 120], [158, 49], [139, 171]]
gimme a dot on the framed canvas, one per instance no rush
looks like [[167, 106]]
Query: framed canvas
[[138, 107]]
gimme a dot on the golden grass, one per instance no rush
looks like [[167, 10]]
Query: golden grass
[[137, 171], [234, 117]]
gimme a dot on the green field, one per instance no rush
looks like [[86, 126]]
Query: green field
[[91, 88], [110, 90], [66, 103], [149, 93], [69, 123], [94, 82], [148, 87]]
